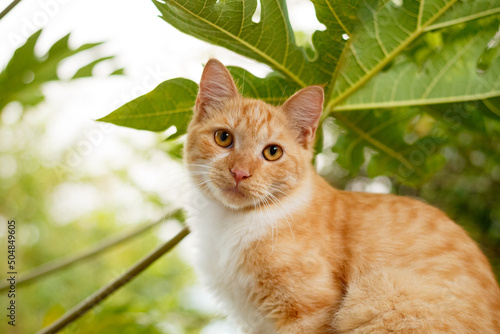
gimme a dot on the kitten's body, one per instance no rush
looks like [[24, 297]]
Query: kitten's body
[[287, 253]]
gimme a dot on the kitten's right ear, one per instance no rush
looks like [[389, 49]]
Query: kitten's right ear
[[303, 110], [216, 85]]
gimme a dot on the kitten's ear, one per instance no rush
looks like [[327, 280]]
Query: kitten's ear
[[304, 110], [216, 85]]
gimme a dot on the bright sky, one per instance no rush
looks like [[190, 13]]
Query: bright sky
[[151, 51]]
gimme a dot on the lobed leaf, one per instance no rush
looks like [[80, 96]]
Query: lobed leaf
[[273, 89], [86, 71], [271, 40], [467, 11], [340, 19], [170, 103], [447, 75], [386, 30], [384, 131], [23, 76]]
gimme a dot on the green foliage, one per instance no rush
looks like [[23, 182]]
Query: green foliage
[[229, 24], [170, 103], [387, 29], [26, 72], [380, 63], [439, 68], [28, 187], [152, 303], [413, 162]]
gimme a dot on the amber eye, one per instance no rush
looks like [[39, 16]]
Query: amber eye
[[223, 138], [272, 152]]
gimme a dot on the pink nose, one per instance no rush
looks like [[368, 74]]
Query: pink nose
[[239, 175]]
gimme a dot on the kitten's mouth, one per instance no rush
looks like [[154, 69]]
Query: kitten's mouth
[[234, 191]]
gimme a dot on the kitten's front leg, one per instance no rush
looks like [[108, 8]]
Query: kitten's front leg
[[299, 306], [312, 323]]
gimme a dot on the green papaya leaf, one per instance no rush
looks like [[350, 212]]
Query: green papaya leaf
[[448, 75], [229, 24], [469, 10], [26, 71], [386, 29], [86, 71], [170, 103], [271, 40], [423, 157], [273, 89], [46, 66], [491, 108], [350, 153], [383, 131], [119, 71], [465, 115], [23, 58]]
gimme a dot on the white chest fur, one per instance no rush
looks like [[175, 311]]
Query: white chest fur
[[222, 235]]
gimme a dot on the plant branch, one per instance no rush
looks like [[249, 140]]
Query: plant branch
[[9, 8], [104, 245], [105, 291]]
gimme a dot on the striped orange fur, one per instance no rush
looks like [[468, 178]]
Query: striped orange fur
[[284, 252]]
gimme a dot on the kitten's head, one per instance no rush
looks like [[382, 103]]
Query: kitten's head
[[244, 152]]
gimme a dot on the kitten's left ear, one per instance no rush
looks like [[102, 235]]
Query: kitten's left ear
[[304, 110]]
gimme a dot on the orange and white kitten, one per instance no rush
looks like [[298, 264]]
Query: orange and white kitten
[[286, 253]]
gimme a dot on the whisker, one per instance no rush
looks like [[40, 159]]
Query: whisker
[[274, 224], [198, 165], [202, 183], [278, 202], [254, 222]]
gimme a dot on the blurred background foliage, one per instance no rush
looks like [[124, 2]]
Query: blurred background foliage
[[31, 184], [460, 143]]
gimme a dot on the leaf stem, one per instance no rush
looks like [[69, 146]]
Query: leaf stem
[[9, 8], [101, 294], [103, 246]]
